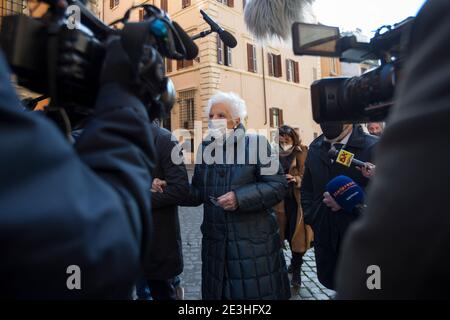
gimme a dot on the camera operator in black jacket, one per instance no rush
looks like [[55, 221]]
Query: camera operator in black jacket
[[87, 207]]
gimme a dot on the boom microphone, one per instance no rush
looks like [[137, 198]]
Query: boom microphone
[[228, 39], [189, 45], [214, 26], [274, 18]]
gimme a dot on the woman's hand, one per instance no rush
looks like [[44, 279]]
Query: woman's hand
[[368, 170], [228, 201], [289, 178], [158, 185], [330, 202]]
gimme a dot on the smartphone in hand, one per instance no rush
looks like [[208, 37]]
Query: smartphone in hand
[[214, 201]]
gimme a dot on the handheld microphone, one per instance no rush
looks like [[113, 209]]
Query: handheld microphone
[[334, 154], [347, 193], [228, 39]]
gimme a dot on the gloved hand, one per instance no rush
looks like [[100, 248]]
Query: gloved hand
[[117, 66]]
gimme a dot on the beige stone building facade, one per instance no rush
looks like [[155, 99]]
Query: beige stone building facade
[[274, 83]]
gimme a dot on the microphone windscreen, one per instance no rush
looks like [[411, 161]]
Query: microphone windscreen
[[190, 46], [274, 18], [346, 192], [228, 39]]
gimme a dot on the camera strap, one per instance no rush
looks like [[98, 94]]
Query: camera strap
[[54, 110]]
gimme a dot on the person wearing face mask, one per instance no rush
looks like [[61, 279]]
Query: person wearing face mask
[[242, 258], [328, 220], [289, 212]]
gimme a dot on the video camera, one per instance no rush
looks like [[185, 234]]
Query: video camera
[[367, 98], [51, 56]]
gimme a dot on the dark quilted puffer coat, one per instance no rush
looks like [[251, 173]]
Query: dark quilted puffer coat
[[241, 253]]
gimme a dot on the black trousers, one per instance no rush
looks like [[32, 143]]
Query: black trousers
[[162, 289]]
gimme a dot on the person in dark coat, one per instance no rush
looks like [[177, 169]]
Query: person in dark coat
[[241, 248], [405, 229], [330, 226], [169, 189], [68, 211]]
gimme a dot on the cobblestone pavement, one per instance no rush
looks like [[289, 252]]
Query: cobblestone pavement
[[190, 220]]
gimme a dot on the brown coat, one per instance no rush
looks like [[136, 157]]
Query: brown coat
[[303, 235]]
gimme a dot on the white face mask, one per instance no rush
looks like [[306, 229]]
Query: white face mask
[[286, 147], [218, 124], [219, 130]]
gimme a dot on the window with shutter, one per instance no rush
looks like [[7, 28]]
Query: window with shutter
[[185, 3], [229, 3], [255, 61], [165, 5], [271, 117], [271, 64], [250, 58], [141, 14], [296, 72], [186, 101], [113, 3], [289, 71], [168, 65], [229, 57], [277, 63], [219, 50], [275, 66], [224, 53], [181, 64], [274, 116], [333, 66], [280, 118]]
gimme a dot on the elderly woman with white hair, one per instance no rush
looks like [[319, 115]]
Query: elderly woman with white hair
[[241, 251]]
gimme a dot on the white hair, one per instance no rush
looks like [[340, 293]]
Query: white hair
[[382, 124], [236, 104]]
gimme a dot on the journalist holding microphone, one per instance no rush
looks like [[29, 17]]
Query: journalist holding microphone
[[327, 217]]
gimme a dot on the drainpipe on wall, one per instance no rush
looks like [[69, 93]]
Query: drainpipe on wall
[[264, 86]]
